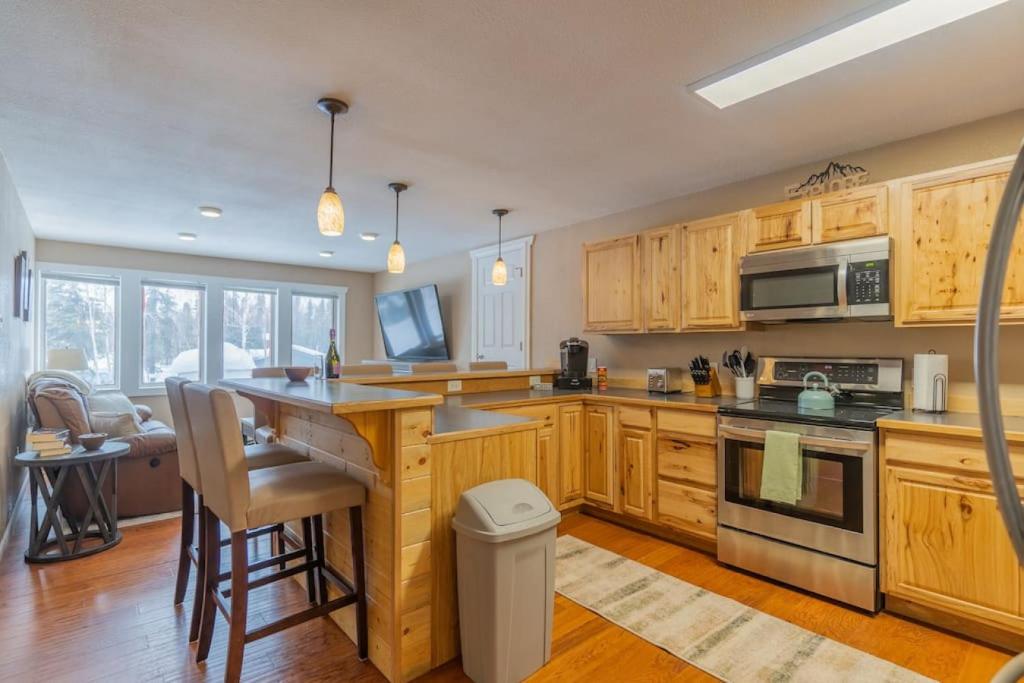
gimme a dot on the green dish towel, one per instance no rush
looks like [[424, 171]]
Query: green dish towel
[[782, 469]]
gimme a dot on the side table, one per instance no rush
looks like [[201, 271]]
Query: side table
[[48, 541]]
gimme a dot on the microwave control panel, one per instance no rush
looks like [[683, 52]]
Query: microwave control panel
[[867, 282]]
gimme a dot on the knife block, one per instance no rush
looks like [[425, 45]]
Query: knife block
[[711, 389]]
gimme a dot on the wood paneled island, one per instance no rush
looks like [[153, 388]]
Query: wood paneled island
[[416, 457]]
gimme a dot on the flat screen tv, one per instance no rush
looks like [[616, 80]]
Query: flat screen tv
[[411, 324]]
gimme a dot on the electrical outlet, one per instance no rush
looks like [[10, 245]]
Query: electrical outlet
[[534, 379], [454, 385]]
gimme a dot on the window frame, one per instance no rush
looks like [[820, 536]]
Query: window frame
[[338, 304], [171, 284], [129, 304], [274, 318], [40, 327]]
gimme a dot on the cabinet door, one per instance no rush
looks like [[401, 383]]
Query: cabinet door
[[661, 279], [711, 273], [611, 285], [690, 458], [599, 455], [778, 226], [570, 454], [547, 464], [688, 508], [944, 223], [946, 546], [636, 490], [850, 214]]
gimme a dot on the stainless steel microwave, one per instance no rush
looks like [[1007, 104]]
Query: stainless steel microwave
[[825, 281]]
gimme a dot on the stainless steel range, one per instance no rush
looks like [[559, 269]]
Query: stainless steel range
[[827, 542]]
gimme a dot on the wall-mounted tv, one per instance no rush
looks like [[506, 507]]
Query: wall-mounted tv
[[411, 324]]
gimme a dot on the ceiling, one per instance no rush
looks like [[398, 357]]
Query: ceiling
[[119, 117]]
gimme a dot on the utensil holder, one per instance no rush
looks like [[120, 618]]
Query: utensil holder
[[745, 388], [711, 389]]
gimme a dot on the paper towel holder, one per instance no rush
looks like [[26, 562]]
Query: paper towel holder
[[940, 393]]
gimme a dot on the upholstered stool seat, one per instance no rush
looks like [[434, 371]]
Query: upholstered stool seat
[[299, 490], [259, 456]]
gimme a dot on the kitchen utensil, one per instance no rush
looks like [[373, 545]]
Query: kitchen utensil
[[815, 398], [749, 365], [744, 388]]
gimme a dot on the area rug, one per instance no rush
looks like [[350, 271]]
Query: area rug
[[725, 638]]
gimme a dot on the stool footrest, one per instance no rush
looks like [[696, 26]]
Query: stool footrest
[[300, 617]]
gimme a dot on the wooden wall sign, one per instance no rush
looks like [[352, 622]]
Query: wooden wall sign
[[835, 177]]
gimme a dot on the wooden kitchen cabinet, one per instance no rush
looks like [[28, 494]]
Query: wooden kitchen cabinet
[[661, 280], [547, 444], [942, 224], [611, 285], [599, 468], [686, 457], [570, 454], [850, 214], [779, 226], [711, 252], [636, 458]]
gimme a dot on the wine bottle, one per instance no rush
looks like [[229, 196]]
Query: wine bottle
[[332, 361]]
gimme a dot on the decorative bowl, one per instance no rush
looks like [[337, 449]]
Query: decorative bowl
[[297, 374], [92, 442]]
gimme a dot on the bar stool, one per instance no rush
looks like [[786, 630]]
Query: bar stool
[[256, 457], [244, 500]]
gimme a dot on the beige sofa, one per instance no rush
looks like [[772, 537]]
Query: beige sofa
[[148, 481]]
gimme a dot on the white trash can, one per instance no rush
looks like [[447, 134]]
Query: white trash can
[[505, 547]]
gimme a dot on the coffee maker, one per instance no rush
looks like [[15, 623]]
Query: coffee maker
[[573, 352]]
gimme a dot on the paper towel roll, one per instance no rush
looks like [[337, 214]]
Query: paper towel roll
[[931, 381]]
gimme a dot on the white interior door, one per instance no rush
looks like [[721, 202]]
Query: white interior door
[[501, 314]]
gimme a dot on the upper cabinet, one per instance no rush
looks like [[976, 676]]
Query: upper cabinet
[[780, 226], [944, 221], [661, 282], [611, 285], [711, 277], [850, 214]]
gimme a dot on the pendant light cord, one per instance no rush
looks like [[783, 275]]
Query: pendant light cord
[[397, 195], [499, 236], [330, 172]]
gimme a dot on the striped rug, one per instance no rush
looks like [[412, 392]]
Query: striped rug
[[723, 637]]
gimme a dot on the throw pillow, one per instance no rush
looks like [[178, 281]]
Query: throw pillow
[[115, 424], [113, 402]]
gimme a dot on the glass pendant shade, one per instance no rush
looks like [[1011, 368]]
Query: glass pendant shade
[[396, 258], [330, 214], [499, 274]]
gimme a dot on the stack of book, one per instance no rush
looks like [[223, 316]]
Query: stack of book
[[48, 442]]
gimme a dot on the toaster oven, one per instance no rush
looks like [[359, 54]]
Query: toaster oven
[[665, 380]]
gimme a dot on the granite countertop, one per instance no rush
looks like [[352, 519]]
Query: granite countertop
[[453, 423], [960, 424], [330, 395], [520, 396]]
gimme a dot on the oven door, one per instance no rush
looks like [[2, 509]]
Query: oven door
[[793, 291], [837, 513]]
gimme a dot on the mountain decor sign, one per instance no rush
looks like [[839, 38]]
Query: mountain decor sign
[[836, 176]]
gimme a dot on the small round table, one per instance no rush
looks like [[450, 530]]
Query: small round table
[[48, 477]]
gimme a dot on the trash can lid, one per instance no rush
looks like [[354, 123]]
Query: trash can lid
[[504, 510]]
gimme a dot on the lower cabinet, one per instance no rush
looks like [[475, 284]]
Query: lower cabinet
[[636, 458], [688, 508], [687, 473], [570, 455], [945, 547], [599, 467]]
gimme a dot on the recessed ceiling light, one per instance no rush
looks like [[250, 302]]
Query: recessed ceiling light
[[878, 26], [187, 236], [368, 236], [327, 254], [210, 211]]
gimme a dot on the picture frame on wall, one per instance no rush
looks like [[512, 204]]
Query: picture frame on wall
[[28, 295]]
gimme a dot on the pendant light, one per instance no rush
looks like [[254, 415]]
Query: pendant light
[[330, 214], [396, 255], [499, 274]]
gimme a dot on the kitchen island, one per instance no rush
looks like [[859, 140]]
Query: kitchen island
[[398, 444]]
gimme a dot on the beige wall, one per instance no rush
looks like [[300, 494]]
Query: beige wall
[[557, 305], [15, 344], [358, 303]]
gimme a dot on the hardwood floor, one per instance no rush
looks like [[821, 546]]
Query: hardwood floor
[[110, 617]]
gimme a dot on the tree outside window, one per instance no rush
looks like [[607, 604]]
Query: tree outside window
[[172, 328], [248, 331], [81, 313]]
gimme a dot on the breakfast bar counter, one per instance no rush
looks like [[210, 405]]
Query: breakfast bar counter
[[415, 456], [684, 400]]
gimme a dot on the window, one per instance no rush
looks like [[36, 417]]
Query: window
[[172, 332], [81, 313], [248, 331], [313, 317]]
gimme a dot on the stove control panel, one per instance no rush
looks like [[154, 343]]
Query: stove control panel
[[867, 282], [837, 373]]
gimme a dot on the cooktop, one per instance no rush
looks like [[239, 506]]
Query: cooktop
[[855, 416]]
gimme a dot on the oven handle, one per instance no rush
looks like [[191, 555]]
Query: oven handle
[[805, 440]]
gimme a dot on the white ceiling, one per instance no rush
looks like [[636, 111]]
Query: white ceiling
[[119, 117]]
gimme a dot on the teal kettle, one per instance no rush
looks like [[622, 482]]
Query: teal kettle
[[815, 398]]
